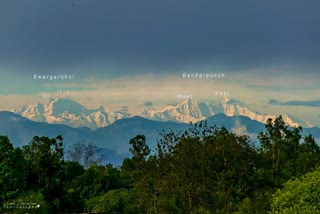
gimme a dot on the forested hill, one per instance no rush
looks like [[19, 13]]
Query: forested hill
[[113, 139], [202, 169]]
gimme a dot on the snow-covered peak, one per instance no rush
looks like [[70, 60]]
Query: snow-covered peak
[[233, 107], [71, 113], [60, 105]]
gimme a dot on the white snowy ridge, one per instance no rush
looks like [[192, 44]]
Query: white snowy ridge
[[69, 112]]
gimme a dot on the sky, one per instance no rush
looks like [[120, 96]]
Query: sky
[[137, 51]]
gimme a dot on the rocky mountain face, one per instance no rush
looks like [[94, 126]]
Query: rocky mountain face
[[71, 113]]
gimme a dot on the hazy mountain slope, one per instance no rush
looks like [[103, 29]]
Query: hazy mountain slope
[[120, 132], [21, 131], [115, 137]]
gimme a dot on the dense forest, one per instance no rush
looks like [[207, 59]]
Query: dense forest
[[200, 170]]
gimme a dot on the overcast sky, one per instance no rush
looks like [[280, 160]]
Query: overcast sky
[[166, 35], [267, 49]]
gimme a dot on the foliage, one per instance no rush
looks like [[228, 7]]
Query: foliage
[[300, 195], [13, 170], [45, 158], [208, 169], [115, 201], [204, 169]]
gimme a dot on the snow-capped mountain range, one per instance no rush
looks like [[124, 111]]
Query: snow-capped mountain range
[[71, 113]]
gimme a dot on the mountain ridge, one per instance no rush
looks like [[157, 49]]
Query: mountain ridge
[[115, 138], [69, 112]]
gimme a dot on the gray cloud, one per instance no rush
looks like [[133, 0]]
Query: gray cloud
[[311, 103], [160, 35], [238, 128]]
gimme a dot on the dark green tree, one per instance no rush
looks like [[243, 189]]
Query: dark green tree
[[89, 185], [135, 171], [139, 147], [309, 155], [13, 170], [132, 168], [71, 199], [46, 168], [284, 154], [281, 143], [204, 169]]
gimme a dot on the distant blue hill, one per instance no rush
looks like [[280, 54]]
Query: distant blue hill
[[21, 131], [220, 120], [114, 139], [120, 132]]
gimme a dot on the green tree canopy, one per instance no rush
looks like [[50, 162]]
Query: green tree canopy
[[13, 170], [46, 168], [300, 195]]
